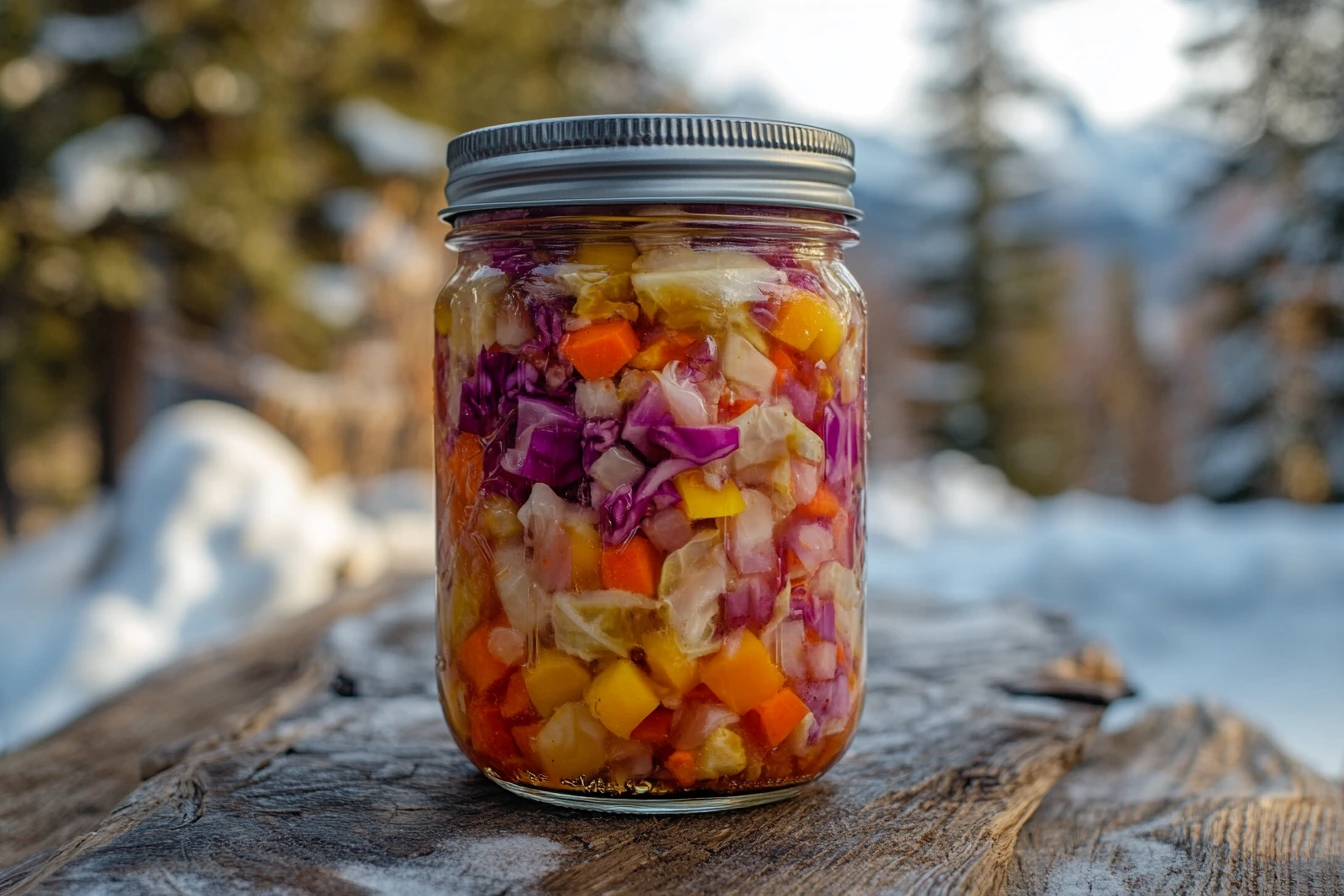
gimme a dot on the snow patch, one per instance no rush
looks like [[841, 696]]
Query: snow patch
[[78, 39], [388, 142], [1240, 603], [1141, 865], [218, 527], [99, 171], [487, 865]]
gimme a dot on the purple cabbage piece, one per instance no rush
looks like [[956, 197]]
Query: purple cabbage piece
[[623, 509], [534, 411], [549, 319], [649, 410], [490, 395], [665, 495], [598, 435], [549, 448], [514, 259], [702, 444], [547, 453], [840, 433], [497, 480], [616, 517]]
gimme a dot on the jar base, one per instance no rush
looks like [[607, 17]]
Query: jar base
[[650, 805]]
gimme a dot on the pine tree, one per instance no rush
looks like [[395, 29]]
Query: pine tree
[[999, 297], [187, 152], [1277, 425]]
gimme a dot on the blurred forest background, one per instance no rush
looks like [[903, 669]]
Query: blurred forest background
[[238, 200]]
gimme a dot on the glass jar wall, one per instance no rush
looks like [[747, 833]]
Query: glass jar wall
[[650, 466]]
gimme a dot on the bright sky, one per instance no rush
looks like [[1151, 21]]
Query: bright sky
[[860, 64]]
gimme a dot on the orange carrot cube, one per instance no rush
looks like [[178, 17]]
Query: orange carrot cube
[[742, 674]]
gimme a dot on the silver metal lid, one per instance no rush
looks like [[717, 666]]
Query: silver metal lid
[[637, 159]]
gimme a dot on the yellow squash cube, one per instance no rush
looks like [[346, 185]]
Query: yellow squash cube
[[829, 337], [555, 678], [612, 256], [722, 754], [807, 322], [667, 663], [585, 554], [621, 697], [703, 502], [571, 744]]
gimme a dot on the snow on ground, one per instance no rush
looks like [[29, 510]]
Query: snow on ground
[[1241, 603], [219, 526]]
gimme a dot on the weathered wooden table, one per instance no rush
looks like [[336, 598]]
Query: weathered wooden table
[[977, 769]]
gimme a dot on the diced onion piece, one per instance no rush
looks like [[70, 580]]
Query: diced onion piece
[[616, 467], [813, 544], [629, 759], [742, 363], [833, 581], [695, 722], [792, 649], [597, 398], [805, 479], [669, 529], [508, 645], [799, 739], [751, 535], [821, 661]]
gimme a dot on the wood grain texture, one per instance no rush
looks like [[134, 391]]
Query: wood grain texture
[[61, 787], [1191, 799], [367, 794]]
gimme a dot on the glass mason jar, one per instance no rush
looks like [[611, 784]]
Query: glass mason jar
[[650, 440]]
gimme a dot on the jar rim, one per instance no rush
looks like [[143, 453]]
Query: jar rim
[[650, 159]]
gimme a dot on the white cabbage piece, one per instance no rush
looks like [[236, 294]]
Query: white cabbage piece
[[544, 516], [687, 288], [474, 305], [597, 398], [742, 363], [526, 603], [694, 577], [595, 624], [770, 433], [616, 467]]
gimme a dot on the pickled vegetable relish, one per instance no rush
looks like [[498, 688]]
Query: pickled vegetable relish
[[650, 469]]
